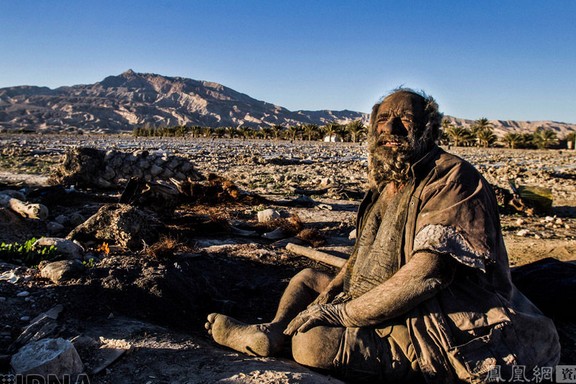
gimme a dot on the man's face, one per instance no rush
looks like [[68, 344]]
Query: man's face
[[399, 121], [396, 138]]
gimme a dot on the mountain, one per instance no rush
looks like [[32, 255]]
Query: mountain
[[119, 103]]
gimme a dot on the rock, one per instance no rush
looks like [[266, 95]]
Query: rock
[[15, 194], [304, 201], [23, 294], [76, 219], [523, 233], [268, 215], [122, 224], [61, 219], [54, 227], [68, 248], [55, 357], [324, 207], [59, 271], [9, 276], [52, 313], [352, 234], [277, 234], [23, 208]]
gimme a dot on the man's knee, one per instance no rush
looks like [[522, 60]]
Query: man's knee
[[311, 278], [317, 347]]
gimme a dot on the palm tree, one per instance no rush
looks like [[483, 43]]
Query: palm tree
[[276, 129], [527, 140], [231, 131], [267, 132], [485, 137], [219, 132], [480, 125], [512, 140], [355, 129], [196, 131], [331, 129], [207, 132], [310, 131], [446, 126], [244, 132], [544, 138], [258, 133], [292, 132], [482, 130], [458, 135]]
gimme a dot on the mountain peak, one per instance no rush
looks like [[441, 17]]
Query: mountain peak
[[128, 73], [121, 102]]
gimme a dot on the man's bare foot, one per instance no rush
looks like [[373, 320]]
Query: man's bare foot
[[252, 339]]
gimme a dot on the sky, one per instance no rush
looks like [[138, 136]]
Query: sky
[[499, 59]]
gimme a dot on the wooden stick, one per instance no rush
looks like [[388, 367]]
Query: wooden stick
[[313, 254]]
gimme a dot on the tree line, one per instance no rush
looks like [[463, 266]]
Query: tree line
[[478, 134], [354, 131], [481, 134]]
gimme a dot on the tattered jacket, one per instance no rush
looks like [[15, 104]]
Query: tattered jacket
[[480, 327]]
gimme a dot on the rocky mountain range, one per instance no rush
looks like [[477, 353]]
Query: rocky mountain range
[[120, 103]]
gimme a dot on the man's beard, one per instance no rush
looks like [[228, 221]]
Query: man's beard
[[386, 164]]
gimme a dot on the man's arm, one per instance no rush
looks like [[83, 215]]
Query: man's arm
[[418, 280], [424, 275]]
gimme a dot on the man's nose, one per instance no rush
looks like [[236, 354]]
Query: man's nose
[[393, 126]]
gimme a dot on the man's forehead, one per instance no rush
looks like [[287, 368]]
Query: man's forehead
[[405, 101]]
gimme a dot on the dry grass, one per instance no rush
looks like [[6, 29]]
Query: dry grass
[[165, 248]]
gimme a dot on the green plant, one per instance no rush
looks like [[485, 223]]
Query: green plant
[[90, 263], [27, 253]]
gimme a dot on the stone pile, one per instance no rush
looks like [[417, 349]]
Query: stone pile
[[91, 167]]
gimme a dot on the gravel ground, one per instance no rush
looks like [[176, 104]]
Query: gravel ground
[[172, 348]]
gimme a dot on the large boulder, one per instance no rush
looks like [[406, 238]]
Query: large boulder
[[48, 358]]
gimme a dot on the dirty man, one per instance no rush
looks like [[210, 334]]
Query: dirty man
[[426, 294]]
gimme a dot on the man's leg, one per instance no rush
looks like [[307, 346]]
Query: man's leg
[[268, 338], [317, 347], [362, 355]]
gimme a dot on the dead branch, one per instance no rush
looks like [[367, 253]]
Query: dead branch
[[313, 254]]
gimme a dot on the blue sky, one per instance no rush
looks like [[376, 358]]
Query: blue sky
[[495, 59]]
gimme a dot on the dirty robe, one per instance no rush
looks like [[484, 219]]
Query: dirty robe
[[479, 326]]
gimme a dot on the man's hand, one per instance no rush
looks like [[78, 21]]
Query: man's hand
[[325, 297], [320, 314]]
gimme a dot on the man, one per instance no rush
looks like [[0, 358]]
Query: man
[[426, 293]]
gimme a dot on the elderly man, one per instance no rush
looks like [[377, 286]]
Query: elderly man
[[426, 293]]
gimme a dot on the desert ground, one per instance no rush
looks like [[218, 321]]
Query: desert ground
[[146, 307]]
